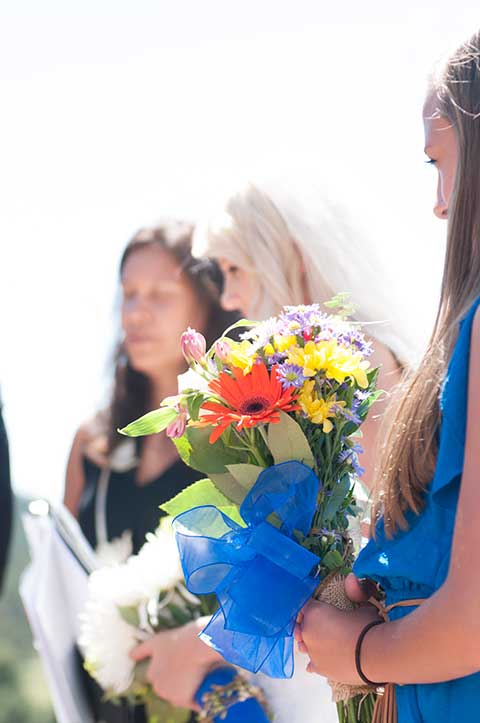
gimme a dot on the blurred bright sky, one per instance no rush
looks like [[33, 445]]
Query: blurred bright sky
[[115, 113]]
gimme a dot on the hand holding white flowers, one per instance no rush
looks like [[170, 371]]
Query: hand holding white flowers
[[127, 604]]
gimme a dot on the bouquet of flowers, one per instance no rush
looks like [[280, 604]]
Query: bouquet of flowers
[[273, 421], [131, 601]]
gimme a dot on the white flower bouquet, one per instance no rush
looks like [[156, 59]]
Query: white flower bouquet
[[131, 601]]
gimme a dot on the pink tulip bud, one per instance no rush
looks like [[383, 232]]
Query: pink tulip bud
[[194, 345], [223, 350], [177, 428]]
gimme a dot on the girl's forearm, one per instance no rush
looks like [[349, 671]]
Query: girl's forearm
[[438, 641]]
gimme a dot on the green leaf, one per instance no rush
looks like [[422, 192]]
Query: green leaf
[[159, 711], [336, 499], [194, 403], [245, 474], [228, 485], [150, 423], [332, 560], [365, 406], [180, 616], [287, 441], [130, 615], [247, 323], [341, 302], [196, 451], [203, 492]]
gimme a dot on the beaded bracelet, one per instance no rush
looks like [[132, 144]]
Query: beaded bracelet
[[216, 702], [358, 650]]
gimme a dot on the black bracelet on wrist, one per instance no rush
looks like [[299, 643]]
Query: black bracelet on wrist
[[358, 650]]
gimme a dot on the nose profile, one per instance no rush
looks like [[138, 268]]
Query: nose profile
[[441, 207], [441, 210], [229, 301]]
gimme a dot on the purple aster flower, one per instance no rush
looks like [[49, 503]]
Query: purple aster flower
[[361, 395], [305, 316], [262, 333], [359, 471], [331, 533], [350, 413], [350, 456], [352, 337], [276, 358], [344, 456], [291, 375]]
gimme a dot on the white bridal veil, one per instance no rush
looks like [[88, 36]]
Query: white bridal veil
[[346, 251]]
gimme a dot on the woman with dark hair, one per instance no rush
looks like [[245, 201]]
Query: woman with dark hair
[[114, 486]]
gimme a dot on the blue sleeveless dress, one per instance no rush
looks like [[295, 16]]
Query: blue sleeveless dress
[[414, 564]]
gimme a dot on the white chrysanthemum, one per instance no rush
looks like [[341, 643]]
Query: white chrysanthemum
[[157, 566], [106, 638], [118, 584], [115, 551], [105, 641]]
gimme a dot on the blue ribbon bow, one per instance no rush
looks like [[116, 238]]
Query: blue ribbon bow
[[261, 576]]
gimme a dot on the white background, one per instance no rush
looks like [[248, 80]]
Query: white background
[[117, 112]]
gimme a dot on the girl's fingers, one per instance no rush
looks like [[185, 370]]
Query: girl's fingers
[[141, 652], [359, 591]]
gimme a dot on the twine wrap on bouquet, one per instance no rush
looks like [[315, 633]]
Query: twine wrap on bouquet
[[332, 591]]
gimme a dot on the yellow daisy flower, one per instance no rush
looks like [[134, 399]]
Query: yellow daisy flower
[[284, 343], [241, 356], [319, 411], [336, 361]]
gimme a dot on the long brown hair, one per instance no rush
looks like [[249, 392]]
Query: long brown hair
[[131, 388], [409, 457]]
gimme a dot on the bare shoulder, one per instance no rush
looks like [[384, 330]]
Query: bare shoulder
[[475, 339], [88, 434], [90, 441], [92, 438], [474, 362]]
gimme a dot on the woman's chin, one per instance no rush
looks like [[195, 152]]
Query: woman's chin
[[144, 364], [153, 365]]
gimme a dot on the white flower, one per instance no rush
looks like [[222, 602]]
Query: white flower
[[117, 584], [191, 380], [115, 551], [105, 638], [157, 566]]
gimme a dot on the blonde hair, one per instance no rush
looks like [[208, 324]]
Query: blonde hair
[[409, 459], [300, 254]]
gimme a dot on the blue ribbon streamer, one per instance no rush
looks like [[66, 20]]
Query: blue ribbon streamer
[[261, 576]]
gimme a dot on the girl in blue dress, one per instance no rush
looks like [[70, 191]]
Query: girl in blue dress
[[425, 552]]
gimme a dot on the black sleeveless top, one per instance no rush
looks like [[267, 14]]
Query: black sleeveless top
[[133, 507], [130, 506]]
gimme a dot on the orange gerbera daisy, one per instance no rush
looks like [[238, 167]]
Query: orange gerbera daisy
[[255, 398]]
